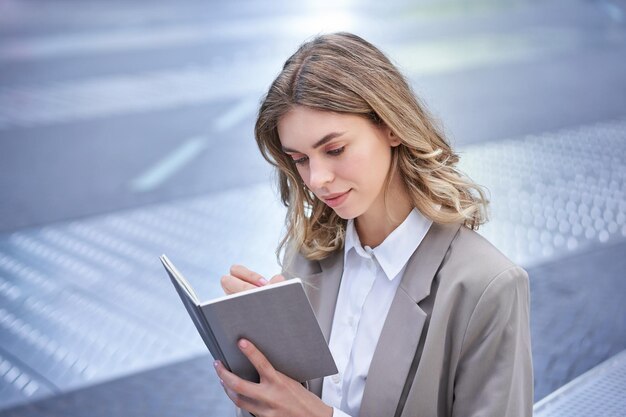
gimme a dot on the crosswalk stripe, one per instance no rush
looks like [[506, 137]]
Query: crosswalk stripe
[[169, 165]]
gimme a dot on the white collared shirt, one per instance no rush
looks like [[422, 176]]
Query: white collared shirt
[[369, 282]]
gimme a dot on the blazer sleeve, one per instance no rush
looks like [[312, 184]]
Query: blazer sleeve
[[495, 376]]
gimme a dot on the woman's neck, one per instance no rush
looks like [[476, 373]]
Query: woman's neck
[[378, 222]]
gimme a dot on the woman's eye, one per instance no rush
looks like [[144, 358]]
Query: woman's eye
[[333, 152], [336, 151], [299, 160]]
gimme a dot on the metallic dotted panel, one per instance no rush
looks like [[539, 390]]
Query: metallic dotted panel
[[87, 300], [599, 392], [555, 193]]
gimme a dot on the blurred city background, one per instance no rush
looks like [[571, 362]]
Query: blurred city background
[[126, 131]]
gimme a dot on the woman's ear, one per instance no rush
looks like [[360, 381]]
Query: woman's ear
[[394, 140]]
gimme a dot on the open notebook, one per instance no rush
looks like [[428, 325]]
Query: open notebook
[[277, 318]]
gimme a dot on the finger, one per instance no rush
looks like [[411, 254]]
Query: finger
[[258, 360], [247, 275], [234, 383], [240, 401], [277, 278], [231, 284]]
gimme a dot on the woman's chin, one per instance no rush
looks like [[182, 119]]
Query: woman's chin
[[344, 213]]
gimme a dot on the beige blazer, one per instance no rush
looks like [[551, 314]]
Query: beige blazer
[[456, 340]]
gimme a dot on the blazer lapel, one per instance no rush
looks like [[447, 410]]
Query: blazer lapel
[[322, 289], [403, 326]]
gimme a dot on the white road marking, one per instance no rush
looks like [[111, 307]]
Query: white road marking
[[107, 96], [236, 114], [190, 149], [614, 11], [453, 54], [169, 165], [72, 44]]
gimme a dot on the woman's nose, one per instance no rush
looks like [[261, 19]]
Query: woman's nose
[[320, 174]]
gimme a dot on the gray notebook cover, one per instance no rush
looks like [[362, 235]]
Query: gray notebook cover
[[277, 318]]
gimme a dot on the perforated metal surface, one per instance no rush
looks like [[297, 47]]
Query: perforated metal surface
[[554, 193], [599, 392], [19, 383], [87, 301]]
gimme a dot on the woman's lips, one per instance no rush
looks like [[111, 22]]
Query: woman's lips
[[336, 201]]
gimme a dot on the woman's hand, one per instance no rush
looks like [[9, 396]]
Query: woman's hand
[[276, 395], [241, 279]]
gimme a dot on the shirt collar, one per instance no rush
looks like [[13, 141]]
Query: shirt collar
[[394, 252]]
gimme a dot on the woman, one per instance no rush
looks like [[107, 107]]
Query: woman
[[423, 316]]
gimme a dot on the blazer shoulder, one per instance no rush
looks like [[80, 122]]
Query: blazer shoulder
[[295, 264], [472, 263], [471, 248]]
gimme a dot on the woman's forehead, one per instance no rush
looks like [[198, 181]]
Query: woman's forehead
[[304, 127]]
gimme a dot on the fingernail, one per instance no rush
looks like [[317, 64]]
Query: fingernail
[[263, 281], [243, 344], [222, 382], [216, 363]]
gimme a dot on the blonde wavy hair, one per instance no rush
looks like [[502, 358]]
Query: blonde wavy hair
[[343, 73]]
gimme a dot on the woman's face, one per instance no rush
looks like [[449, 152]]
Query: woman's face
[[343, 159]]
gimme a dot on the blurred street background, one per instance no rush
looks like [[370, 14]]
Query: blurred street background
[[126, 131]]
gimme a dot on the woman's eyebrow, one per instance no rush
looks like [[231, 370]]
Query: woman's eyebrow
[[320, 142]]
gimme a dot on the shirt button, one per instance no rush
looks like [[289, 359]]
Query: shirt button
[[335, 378]]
